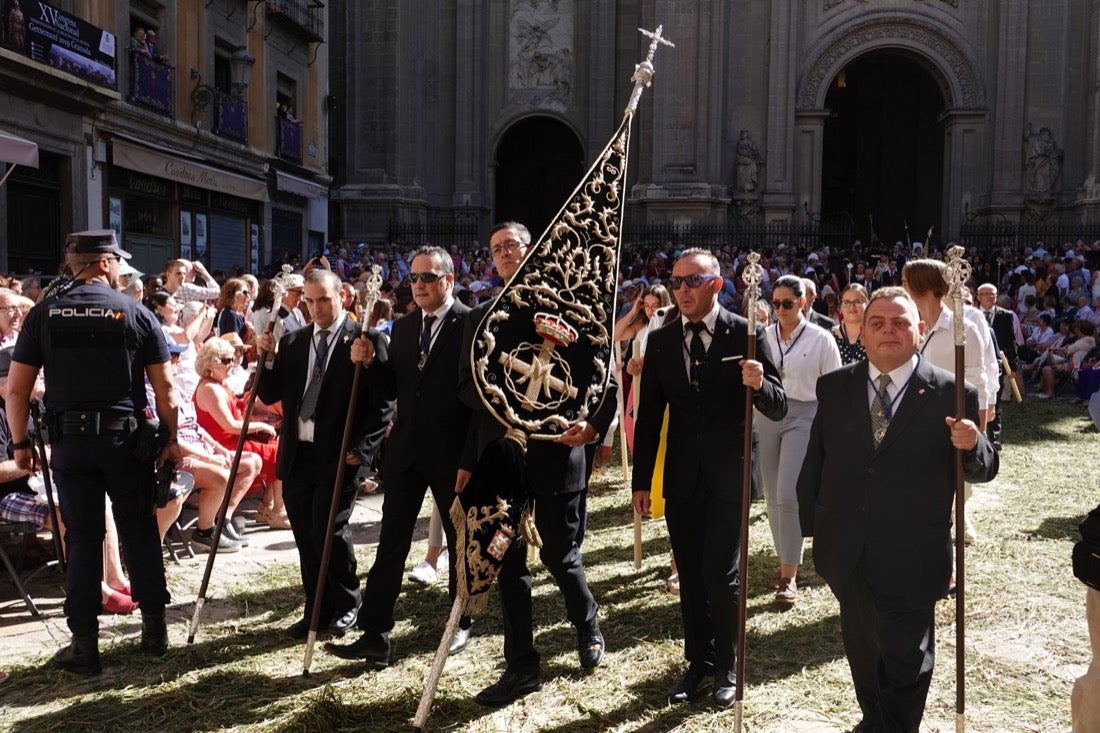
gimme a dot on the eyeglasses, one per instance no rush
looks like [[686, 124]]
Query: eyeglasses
[[692, 281], [784, 304], [852, 303], [508, 247], [227, 360], [428, 277], [9, 308]]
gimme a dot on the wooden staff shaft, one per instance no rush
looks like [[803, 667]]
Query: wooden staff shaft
[[960, 546], [333, 510], [220, 518], [743, 540]]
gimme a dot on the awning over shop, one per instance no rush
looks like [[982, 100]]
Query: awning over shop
[[154, 163], [299, 186], [16, 151]]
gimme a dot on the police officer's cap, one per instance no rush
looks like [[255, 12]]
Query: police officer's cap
[[96, 241]]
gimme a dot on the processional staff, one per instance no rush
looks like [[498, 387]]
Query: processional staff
[[219, 520], [957, 275], [753, 275]]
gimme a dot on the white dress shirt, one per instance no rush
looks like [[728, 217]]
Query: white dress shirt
[[305, 427], [939, 350], [809, 352]]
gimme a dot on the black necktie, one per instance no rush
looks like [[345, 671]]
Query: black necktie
[[697, 353], [425, 340], [426, 334], [309, 399]]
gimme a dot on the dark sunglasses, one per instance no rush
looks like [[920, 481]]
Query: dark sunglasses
[[227, 360], [428, 277], [692, 281], [784, 304]]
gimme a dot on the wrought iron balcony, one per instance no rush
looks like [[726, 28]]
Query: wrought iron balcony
[[288, 139], [152, 84], [307, 15]]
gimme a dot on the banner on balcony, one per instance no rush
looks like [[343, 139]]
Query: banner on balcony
[[53, 37]]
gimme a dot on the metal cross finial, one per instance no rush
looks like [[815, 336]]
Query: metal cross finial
[[643, 72]]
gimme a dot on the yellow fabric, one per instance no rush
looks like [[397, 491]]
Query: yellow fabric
[[656, 489]]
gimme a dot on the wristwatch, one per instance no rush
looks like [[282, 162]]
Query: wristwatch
[[23, 444]]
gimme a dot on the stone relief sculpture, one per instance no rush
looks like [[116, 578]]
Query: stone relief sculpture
[[541, 50], [1042, 161], [750, 162]]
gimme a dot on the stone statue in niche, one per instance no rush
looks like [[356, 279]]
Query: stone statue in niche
[[1042, 161], [750, 163]]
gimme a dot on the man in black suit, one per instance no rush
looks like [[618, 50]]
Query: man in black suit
[[696, 366], [813, 315], [556, 471], [424, 447], [1003, 326], [312, 374], [881, 528]]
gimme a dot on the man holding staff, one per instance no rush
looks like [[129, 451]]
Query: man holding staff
[[881, 529], [696, 365]]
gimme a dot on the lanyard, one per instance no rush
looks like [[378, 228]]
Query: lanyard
[[779, 344], [889, 406]]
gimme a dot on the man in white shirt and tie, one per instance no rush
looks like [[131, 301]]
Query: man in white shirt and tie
[[312, 375]]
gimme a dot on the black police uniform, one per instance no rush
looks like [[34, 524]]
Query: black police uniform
[[94, 344]]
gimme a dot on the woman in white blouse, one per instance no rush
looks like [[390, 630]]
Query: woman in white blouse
[[803, 352]]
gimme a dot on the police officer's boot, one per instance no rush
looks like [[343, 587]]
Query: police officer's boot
[[81, 656], [154, 634]]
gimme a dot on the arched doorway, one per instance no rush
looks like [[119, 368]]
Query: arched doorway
[[883, 147], [538, 164]]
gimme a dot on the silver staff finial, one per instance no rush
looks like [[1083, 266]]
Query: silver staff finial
[[753, 275], [643, 72]]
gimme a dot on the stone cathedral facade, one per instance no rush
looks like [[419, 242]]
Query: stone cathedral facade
[[897, 116]]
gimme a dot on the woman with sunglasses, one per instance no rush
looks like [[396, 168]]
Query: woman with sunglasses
[[221, 414], [637, 321], [232, 305], [803, 352], [849, 333]]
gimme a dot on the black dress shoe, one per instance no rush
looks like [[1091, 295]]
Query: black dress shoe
[[371, 647], [725, 689], [458, 642], [688, 685], [510, 686], [590, 645], [298, 630], [343, 622]]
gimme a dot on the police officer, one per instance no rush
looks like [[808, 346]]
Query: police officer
[[97, 346]]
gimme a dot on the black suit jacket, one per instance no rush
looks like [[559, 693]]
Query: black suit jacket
[[820, 319], [286, 381], [552, 468], [888, 506], [431, 420], [706, 429], [1003, 327]]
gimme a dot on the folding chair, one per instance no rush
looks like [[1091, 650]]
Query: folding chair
[[25, 530]]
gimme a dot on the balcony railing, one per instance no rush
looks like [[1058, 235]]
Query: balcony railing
[[288, 139], [307, 15], [152, 84]]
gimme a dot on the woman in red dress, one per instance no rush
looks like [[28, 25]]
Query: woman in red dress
[[221, 414]]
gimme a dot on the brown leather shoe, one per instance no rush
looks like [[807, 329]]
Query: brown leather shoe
[[786, 593]]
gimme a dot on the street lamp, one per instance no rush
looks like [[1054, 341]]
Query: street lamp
[[240, 69]]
